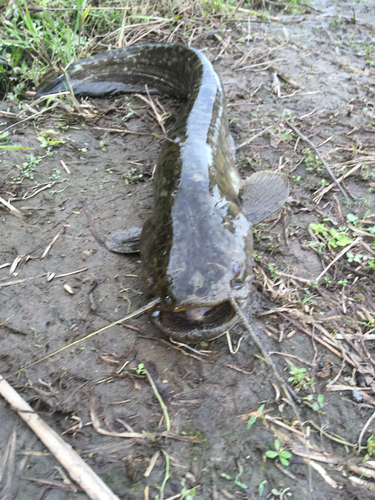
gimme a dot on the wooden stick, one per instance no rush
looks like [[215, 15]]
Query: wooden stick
[[78, 469]]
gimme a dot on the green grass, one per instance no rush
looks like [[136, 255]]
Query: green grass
[[48, 36], [279, 453], [35, 42]]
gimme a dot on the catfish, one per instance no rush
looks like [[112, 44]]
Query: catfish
[[196, 248]]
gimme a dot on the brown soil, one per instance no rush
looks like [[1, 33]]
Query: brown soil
[[208, 397]]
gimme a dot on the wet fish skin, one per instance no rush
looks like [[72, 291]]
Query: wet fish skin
[[197, 245]]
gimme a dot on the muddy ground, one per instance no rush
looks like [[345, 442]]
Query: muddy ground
[[327, 90]]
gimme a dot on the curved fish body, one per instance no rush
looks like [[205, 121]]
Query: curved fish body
[[196, 248]]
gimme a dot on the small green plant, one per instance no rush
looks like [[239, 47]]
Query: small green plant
[[335, 238], [299, 379], [352, 218], [132, 177], [371, 265], [272, 268], [56, 174], [258, 230], [50, 138], [262, 358], [320, 229], [370, 448], [315, 405], [279, 493], [287, 114], [339, 239], [236, 480], [308, 298], [261, 487], [187, 494], [366, 172], [279, 453], [28, 167], [257, 256], [166, 477], [140, 370], [252, 419], [354, 258], [311, 161], [284, 135]]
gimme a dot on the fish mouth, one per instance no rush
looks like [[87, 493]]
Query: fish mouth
[[196, 324]]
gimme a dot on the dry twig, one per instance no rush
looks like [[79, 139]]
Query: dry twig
[[320, 157]]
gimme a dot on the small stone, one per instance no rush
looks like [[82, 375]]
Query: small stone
[[69, 289]]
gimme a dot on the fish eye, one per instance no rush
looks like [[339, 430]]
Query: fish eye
[[237, 286]]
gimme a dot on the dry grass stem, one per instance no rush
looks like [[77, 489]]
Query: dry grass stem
[[298, 278], [305, 139], [338, 257], [65, 167], [153, 460], [50, 245], [16, 282], [294, 357], [14, 211], [320, 470], [147, 307], [134, 435], [322, 191], [361, 483], [283, 425], [251, 139], [73, 272]]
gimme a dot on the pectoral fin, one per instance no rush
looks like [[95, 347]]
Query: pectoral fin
[[263, 193], [124, 240]]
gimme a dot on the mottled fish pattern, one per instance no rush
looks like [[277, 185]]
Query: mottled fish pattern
[[196, 248]]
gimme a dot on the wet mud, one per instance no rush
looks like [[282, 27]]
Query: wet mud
[[79, 286]]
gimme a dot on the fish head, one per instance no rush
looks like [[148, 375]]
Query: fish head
[[195, 279], [201, 271]]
